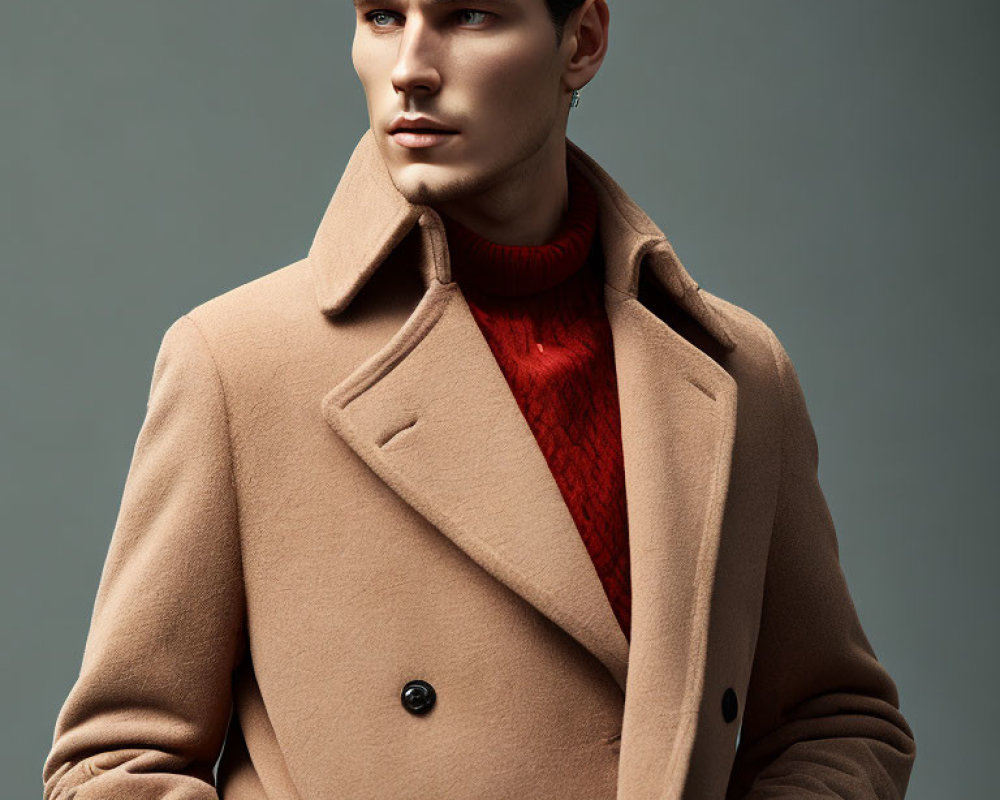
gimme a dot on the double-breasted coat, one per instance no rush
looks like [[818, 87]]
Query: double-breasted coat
[[342, 568]]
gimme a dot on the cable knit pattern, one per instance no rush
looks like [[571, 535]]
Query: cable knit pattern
[[541, 309]]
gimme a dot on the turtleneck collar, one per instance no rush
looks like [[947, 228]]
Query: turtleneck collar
[[519, 270]]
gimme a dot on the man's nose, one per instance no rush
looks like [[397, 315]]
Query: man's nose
[[415, 69]]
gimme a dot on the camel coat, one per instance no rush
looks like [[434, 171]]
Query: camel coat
[[336, 513]]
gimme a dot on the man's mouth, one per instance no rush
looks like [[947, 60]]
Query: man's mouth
[[421, 137]]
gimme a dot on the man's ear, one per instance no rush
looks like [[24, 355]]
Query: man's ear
[[586, 39]]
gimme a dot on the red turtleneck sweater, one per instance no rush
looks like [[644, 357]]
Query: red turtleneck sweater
[[541, 309]]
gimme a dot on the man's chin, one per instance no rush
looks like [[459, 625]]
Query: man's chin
[[431, 184]]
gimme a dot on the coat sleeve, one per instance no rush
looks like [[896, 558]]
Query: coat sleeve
[[822, 715], [147, 716]]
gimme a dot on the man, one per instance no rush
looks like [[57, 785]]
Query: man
[[483, 498]]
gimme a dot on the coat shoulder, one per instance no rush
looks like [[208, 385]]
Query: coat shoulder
[[757, 341], [277, 297], [756, 348], [269, 317], [270, 333], [261, 327], [759, 362]]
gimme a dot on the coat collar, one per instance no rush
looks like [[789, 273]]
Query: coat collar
[[367, 217]]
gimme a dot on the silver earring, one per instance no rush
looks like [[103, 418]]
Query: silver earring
[[574, 101]]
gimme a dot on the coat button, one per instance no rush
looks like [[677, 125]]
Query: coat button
[[418, 696], [730, 705]]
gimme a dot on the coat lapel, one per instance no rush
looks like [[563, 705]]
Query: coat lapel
[[433, 416], [678, 410]]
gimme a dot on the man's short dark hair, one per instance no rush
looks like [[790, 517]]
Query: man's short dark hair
[[559, 10]]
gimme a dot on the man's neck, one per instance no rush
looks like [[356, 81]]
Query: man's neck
[[526, 208]]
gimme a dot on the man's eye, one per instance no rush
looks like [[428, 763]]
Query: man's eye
[[477, 17], [482, 14], [373, 16]]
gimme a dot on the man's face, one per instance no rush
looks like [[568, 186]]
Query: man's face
[[492, 72]]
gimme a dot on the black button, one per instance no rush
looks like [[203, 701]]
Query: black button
[[730, 705], [418, 696]]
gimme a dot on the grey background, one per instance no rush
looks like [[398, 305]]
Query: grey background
[[832, 167]]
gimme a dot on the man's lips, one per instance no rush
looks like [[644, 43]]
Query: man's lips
[[418, 123], [421, 137], [417, 129]]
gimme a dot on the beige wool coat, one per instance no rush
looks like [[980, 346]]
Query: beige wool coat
[[334, 494]]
